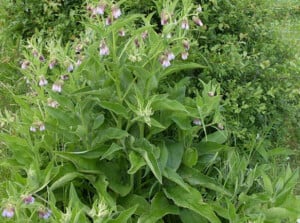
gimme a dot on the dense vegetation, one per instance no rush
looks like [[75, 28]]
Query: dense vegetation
[[148, 111]]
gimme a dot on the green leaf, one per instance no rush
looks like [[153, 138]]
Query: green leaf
[[175, 151], [190, 157], [112, 149], [146, 149], [136, 162], [159, 208], [196, 178], [217, 137], [188, 216], [119, 181], [168, 104], [279, 213], [175, 177], [117, 108], [67, 178], [98, 121], [108, 134], [133, 199], [101, 187], [211, 148], [192, 200], [124, 216], [177, 67]]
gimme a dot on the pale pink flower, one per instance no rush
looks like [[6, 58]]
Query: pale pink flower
[[104, 50], [32, 128], [44, 213], [78, 62], [165, 62], [197, 121], [122, 32], [25, 64], [70, 68], [185, 24], [170, 56], [184, 55], [197, 21], [144, 35], [116, 11], [57, 86], [52, 103], [199, 9], [52, 64], [99, 10], [43, 81]]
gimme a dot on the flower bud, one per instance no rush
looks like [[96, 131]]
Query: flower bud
[[186, 44], [122, 32], [165, 62], [164, 18], [52, 64], [52, 103], [57, 86], [197, 21]]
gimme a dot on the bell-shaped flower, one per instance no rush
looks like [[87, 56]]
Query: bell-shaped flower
[[43, 81], [116, 11], [104, 50]]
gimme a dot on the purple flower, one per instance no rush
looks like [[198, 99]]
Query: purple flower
[[65, 77], [104, 50], [70, 68], [185, 24], [28, 199], [116, 12], [35, 53], [43, 81], [25, 64], [44, 213], [184, 55], [42, 58], [8, 212], [197, 21]]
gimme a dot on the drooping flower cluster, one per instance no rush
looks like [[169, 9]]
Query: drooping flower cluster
[[37, 126]]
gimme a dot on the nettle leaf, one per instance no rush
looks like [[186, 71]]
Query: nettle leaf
[[146, 150], [175, 154], [67, 178], [116, 174], [136, 162], [196, 178], [108, 134], [124, 216], [192, 200], [163, 103], [115, 107], [112, 149], [133, 199], [101, 185], [175, 177], [159, 208], [217, 137]]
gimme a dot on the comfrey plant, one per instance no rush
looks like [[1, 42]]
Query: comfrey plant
[[107, 134]]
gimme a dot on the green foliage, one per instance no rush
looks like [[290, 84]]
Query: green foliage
[[111, 128]]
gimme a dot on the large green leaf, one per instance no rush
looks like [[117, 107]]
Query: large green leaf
[[192, 200], [124, 216], [117, 108], [168, 104], [101, 187], [136, 162], [196, 178], [175, 177], [217, 137], [175, 154], [146, 150], [159, 208], [108, 134]]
